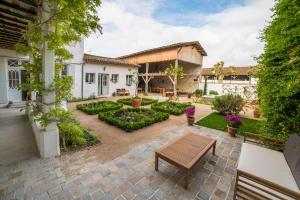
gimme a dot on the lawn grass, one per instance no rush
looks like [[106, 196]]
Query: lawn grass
[[217, 121]]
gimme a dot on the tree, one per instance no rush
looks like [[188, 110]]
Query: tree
[[279, 69], [218, 70], [174, 73]]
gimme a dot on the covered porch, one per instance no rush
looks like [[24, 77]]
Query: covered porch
[[153, 79]]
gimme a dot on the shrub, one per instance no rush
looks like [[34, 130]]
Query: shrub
[[228, 104], [145, 101], [171, 107], [234, 121], [199, 93], [213, 92], [101, 106], [279, 70], [130, 119], [71, 133], [74, 99]]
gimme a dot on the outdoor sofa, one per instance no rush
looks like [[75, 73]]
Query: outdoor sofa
[[264, 173], [122, 92]]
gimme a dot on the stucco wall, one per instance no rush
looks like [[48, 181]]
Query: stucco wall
[[246, 90], [92, 89], [190, 54]]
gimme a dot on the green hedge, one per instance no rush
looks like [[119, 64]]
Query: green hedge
[[100, 106], [171, 107], [145, 101], [130, 119]]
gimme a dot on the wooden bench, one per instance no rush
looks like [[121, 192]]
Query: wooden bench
[[122, 92], [185, 152]]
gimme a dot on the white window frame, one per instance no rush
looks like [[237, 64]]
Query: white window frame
[[115, 78], [129, 80], [90, 78]]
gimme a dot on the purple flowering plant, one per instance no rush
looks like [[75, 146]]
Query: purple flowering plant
[[190, 112], [234, 120]]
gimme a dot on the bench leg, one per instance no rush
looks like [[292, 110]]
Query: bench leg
[[186, 179], [156, 162], [214, 149]]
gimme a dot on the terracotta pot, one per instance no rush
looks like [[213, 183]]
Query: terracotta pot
[[136, 102], [232, 131], [190, 120]]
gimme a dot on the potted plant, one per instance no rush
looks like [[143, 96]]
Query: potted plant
[[256, 113], [190, 116], [233, 123]]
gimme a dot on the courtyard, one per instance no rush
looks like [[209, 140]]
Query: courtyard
[[130, 174]]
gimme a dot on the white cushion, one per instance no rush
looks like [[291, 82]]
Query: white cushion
[[266, 164]]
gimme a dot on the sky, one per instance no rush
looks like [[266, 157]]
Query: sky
[[227, 29]]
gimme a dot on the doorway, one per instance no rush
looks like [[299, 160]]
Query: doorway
[[103, 84]]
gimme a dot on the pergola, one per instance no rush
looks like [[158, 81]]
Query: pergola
[[14, 17]]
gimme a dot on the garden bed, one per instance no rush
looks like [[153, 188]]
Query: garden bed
[[145, 101], [130, 119], [173, 108], [100, 106], [217, 121]]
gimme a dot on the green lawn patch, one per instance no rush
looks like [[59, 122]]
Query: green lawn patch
[[171, 107], [145, 101], [217, 121], [100, 106], [130, 119]]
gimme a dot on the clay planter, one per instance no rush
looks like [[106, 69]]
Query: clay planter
[[136, 102], [190, 120], [232, 131]]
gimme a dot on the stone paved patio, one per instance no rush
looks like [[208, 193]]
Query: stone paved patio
[[130, 176]]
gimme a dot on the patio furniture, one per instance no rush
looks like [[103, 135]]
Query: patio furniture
[[264, 173], [185, 152], [122, 92]]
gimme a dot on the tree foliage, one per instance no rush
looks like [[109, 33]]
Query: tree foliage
[[67, 22], [279, 70]]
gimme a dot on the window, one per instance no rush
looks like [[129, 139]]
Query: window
[[64, 71], [89, 78], [13, 79], [128, 80], [13, 63], [114, 78]]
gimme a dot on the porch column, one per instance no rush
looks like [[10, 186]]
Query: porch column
[[147, 77], [175, 79], [48, 61], [48, 138]]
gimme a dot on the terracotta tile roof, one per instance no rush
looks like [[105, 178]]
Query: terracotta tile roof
[[237, 70], [88, 58], [180, 44]]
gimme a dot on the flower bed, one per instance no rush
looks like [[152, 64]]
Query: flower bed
[[173, 108], [145, 101], [130, 119], [100, 106]]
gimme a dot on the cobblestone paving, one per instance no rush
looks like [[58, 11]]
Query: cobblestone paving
[[130, 176]]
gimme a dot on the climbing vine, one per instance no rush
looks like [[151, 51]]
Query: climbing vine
[[67, 21], [58, 23]]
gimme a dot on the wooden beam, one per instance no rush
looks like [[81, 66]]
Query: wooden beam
[[9, 12], [146, 82], [18, 7], [8, 23], [12, 18]]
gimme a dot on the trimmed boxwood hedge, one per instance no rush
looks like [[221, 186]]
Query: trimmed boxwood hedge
[[145, 101], [130, 119], [171, 107], [100, 106]]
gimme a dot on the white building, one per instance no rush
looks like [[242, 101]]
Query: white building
[[92, 75]]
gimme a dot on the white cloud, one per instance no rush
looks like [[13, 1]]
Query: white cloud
[[230, 35]]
